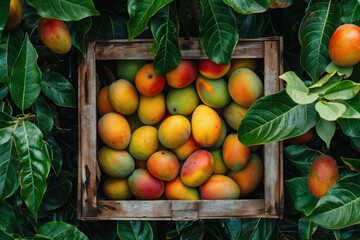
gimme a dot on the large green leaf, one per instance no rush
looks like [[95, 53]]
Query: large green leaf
[[325, 130], [25, 77], [61, 230], [301, 156], [165, 29], [44, 118], [248, 6], [66, 10], [276, 117], [321, 19], [134, 230], [9, 165], [10, 44], [350, 127], [78, 32], [4, 9], [344, 90], [352, 107], [351, 11], [330, 111], [58, 89], [340, 206], [218, 30], [140, 13], [15, 222], [306, 229], [303, 200], [256, 228], [253, 25], [34, 164]]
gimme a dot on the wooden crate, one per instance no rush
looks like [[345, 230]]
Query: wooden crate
[[91, 207]]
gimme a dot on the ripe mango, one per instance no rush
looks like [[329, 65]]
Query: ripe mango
[[213, 92], [143, 142], [182, 101], [174, 131], [236, 155], [123, 97], [163, 165], [219, 187], [143, 185], [177, 190], [152, 109]]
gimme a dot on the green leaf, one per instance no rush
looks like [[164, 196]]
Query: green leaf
[[79, 31], [218, 30], [129, 230], [15, 222], [323, 80], [111, 26], [58, 89], [301, 156], [58, 191], [3, 91], [325, 130], [253, 25], [320, 21], [343, 90], [9, 165], [25, 77], [306, 229], [140, 13], [248, 6], [340, 206], [191, 230], [232, 225], [275, 117], [287, 229], [66, 10], [4, 9], [351, 11], [165, 30], [297, 89], [356, 141], [352, 107], [350, 127], [330, 111], [352, 163], [34, 164], [44, 118], [10, 44], [56, 155], [303, 200], [5, 236], [345, 72], [256, 228], [61, 230]]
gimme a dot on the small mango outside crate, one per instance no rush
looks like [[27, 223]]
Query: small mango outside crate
[[92, 207]]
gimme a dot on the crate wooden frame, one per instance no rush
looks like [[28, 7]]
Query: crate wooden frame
[[90, 207]]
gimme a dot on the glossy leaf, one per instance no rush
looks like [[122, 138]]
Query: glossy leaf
[[131, 230], [303, 200], [352, 163], [25, 76], [340, 206], [297, 89], [344, 90], [66, 10], [4, 9], [193, 231], [324, 79], [301, 156], [233, 227], [218, 31], [9, 177], [34, 164], [164, 28], [321, 19], [3, 91], [58, 89], [61, 230], [44, 118], [15, 222], [275, 117], [325, 130], [256, 228], [330, 111], [352, 107], [140, 13], [253, 25], [248, 6], [350, 127], [306, 229], [10, 43], [56, 155], [351, 11], [79, 32]]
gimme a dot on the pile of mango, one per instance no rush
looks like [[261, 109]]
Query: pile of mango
[[175, 136]]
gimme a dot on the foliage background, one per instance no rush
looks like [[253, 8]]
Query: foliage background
[[38, 117]]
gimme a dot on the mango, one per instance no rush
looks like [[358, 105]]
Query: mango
[[144, 142], [143, 185], [213, 92], [174, 131], [103, 104], [233, 114], [163, 165], [114, 130], [115, 163], [123, 97], [116, 188], [152, 109], [55, 35], [222, 137], [15, 15], [127, 69], [182, 101], [219, 187], [183, 75], [220, 166], [250, 177], [323, 174], [177, 190], [206, 125], [197, 168], [184, 151], [212, 70], [235, 154], [250, 63], [245, 87]]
